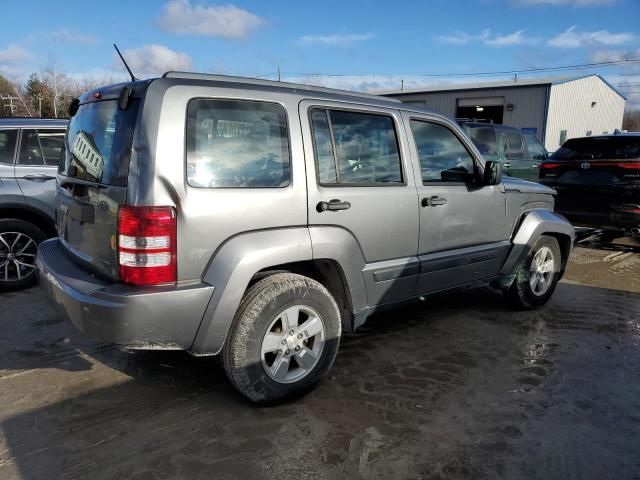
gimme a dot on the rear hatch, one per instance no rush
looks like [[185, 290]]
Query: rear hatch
[[92, 176], [595, 174]]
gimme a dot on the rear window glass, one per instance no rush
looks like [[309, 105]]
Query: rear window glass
[[485, 140], [603, 148], [99, 142], [237, 143]]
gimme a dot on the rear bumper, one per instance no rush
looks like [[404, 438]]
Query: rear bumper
[[165, 318]]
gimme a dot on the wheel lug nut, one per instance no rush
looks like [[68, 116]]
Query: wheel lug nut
[[297, 348], [287, 352], [290, 332], [299, 335]]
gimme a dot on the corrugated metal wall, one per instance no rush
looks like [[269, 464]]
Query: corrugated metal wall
[[528, 112], [570, 109]]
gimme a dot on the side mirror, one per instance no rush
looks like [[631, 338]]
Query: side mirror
[[492, 173]]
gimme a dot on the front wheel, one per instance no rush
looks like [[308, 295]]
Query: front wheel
[[537, 275], [284, 339]]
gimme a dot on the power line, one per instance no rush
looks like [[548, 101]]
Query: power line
[[468, 74]]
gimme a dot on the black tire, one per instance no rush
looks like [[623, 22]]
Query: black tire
[[261, 305], [520, 293], [28, 229]]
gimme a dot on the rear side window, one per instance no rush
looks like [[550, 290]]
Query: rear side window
[[7, 145], [99, 142], [236, 144], [443, 157], [355, 148], [514, 146], [41, 147], [485, 140], [599, 148]]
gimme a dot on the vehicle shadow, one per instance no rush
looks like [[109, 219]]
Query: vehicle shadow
[[607, 240], [170, 415]]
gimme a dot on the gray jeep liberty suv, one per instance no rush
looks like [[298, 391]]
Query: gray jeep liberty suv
[[260, 220]]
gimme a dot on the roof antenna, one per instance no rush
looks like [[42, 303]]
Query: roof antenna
[[133, 78]]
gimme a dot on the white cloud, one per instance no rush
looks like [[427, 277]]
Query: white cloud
[[226, 21], [487, 38], [151, 60], [615, 56], [12, 61], [67, 36], [572, 38], [565, 3], [336, 39]]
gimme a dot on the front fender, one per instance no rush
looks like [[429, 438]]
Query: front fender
[[535, 223], [231, 270]]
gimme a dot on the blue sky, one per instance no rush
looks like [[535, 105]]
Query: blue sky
[[354, 38]]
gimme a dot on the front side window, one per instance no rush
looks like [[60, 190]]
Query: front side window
[[536, 150], [443, 156], [514, 146], [485, 140], [237, 144], [7, 145], [355, 148]]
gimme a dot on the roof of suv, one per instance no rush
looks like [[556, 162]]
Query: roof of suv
[[489, 125], [33, 122]]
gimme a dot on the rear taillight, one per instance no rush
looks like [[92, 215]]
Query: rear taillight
[[147, 245], [548, 169]]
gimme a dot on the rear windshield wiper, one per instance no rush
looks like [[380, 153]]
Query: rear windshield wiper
[[67, 182]]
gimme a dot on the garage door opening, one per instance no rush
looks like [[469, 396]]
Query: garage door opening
[[484, 109]]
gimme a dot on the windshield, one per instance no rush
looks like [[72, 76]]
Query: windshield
[[99, 142], [599, 148]]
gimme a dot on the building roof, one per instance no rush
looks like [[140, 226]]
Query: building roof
[[513, 83]]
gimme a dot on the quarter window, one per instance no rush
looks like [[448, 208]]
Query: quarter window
[[563, 136], [355, 148], [7, 145], [485, 140], [237, 144], [443, 157], [536, 150]]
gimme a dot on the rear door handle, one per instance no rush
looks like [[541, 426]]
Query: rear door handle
[[506, 165], [433, 201], [332, 205], [38, 177]]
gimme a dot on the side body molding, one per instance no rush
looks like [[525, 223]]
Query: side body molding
[[536, 223], [233, 266]]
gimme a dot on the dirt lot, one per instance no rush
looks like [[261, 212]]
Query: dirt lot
[[457, 387]]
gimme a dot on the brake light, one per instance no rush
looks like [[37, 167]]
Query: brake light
[[147, 245], [547, 169], [548, 165]]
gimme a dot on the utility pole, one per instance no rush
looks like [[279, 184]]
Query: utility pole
[[12, 108], [401, 85], [39, 97], [278, 72]]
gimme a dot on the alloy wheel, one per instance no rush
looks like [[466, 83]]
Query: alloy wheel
[[542, 271], [17, 256]]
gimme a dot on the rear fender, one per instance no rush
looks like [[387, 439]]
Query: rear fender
[[232, 268]]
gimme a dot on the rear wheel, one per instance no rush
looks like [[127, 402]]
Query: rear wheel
[[19, 242], [284, 339], [537, 275]]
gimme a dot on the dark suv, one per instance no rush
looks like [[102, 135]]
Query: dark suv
[[597, 180], [29, 152]]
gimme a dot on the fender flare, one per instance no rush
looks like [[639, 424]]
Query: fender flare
[[533, 225], [241, 257]]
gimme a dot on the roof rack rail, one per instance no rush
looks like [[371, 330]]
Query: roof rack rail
[[272, 83]]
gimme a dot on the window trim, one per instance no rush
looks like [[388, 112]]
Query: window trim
[[16, 146], [476, 163], [44, 164], [327, 109], [245, 100]]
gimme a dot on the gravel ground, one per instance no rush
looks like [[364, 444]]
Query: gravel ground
[[457, 387]]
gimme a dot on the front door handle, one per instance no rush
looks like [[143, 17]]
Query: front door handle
[[332, 205], [38, 177], [506, 165], [433, 201]]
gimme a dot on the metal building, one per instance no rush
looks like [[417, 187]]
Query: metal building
[[555, 109]]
